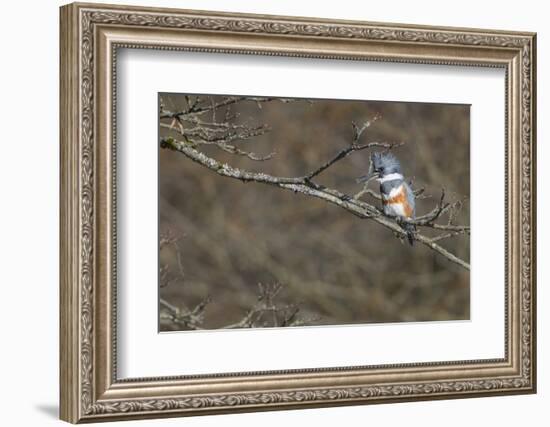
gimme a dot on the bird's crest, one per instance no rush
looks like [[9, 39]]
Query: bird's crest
[[385, 162]]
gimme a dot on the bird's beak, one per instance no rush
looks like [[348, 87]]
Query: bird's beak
[[372, 173]]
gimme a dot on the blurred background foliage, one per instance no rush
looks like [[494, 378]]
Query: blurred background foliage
[[335, 267]]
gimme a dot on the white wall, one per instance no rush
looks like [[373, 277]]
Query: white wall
[[29, 169]]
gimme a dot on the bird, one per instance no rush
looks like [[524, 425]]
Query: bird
[[398, 199]]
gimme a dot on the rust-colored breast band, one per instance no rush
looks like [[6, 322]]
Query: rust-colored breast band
[[400, 198]]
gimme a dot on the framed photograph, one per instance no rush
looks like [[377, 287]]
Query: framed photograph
[[265, 212]]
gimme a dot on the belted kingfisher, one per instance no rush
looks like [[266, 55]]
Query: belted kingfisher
[[397, 196]]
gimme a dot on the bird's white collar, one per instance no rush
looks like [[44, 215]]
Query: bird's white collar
[[390, 177]]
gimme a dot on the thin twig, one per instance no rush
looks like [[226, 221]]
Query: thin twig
[[265, 313], [347, 151]]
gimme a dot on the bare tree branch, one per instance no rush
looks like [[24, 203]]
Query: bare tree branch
[[195, 108], [354, 146], [306, 186], [199, 124], [346, 152], [183, 317], [265, 313]]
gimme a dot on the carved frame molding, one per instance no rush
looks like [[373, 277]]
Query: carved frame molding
[[90, 37]]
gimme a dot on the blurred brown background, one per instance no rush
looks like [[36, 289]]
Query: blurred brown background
[[336, 267]]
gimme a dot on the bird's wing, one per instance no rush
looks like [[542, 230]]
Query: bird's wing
[[410, 198]]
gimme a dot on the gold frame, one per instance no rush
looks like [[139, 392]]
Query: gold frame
[[90, 36]]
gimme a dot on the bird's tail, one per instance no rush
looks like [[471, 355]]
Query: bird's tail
[[410, 229]]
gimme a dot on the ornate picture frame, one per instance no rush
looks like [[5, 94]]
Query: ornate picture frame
[[90, 37]]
